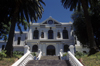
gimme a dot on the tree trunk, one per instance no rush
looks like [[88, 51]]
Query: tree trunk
[[9, 45], [88, 25]]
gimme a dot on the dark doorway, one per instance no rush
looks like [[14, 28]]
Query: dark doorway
[[35, 48], [50, 50], [66, 48]]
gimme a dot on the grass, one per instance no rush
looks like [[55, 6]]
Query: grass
[[9, 61], [93, 60]]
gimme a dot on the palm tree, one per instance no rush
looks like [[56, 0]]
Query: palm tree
[[28, 9], [76, 4]]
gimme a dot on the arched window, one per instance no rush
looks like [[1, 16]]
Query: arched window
[[50, 34], [58, 35], [35, 48], [66, 48], [36, 34], [65, 34], [42, 34]]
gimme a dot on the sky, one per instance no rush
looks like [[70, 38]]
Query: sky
[[54, 9]]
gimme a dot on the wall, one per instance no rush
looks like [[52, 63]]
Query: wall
[[22, 41]]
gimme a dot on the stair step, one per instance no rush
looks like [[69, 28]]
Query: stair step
[[49, 58], [48, 63]]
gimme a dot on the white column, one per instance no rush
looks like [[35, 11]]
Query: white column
[[39, 34], [54, 36], [39, 46], [31, 34], [71, 47], [44, 50], [46, 34], [61, 34], [57, 49]]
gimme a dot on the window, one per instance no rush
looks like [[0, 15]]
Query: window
[[65, 33], [36, 34], [66, 48], [42, 34], [58, 35], [34, 48], [50, 34], [19, 38], [3, 46]]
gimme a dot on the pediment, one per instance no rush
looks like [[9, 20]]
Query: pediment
[[53, 21]]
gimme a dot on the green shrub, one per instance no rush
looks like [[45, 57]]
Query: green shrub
[[80, 54], [15, 53], [33, 53], [65, 54], [3, 54]]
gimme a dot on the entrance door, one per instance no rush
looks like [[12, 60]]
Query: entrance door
[[50, 50]]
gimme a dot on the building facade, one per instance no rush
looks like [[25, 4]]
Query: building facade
[[50, 37]]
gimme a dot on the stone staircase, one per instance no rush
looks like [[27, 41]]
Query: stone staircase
[[49, 58], [48, 61]]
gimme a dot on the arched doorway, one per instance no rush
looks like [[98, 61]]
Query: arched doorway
[[50, 50], [35, 48], [66, 48]]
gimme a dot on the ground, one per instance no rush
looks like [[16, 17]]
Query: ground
[[93, 60], [8, 61]]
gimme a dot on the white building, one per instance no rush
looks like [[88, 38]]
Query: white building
[[49, 36]]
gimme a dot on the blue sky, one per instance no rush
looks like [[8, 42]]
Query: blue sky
[[55, 9]]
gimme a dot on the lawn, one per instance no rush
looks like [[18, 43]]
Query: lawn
[[93, 60], [9, 61]]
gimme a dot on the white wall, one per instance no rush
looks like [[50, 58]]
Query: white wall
[[22, 41], [18, 48], [46, 29]]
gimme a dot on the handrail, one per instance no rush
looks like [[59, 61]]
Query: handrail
[[61, 55], [23, 60], [73, 60], [39, 56]]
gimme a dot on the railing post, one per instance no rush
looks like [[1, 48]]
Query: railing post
[[61, 55], [26, 49], [39, 54], [61, 50], [39, 50], [71, 47]]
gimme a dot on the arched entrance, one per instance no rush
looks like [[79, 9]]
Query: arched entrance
[[35, 48], [50, 50], [66, 48]]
